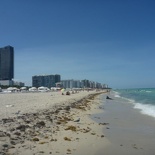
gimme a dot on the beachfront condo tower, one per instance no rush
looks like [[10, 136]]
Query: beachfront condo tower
[[45, 80], [6, 63]]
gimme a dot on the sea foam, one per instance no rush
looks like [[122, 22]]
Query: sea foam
[[147, 109]]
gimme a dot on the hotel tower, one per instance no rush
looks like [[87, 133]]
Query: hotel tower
[[6, 63]]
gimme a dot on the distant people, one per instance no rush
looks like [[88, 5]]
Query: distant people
[[67, 93], [108, 98]]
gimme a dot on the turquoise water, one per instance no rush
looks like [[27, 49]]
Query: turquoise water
[[143, 99]]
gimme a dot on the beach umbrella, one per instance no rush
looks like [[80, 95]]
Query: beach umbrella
[[12, 89], [33, 89], [23, 88], [43, 88]]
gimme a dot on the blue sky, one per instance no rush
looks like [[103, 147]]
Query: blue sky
[[107, 41]]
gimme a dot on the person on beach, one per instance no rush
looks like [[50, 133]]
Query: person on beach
[[109, 98]]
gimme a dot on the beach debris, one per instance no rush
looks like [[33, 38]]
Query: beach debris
[[78, 120], [5, 146], [22, 127], [9, 105], [100, 107], [54, 140], [35, 139], [13, 142], [7, 120], [17, 133], [2, 134], [103, 123], [67, 108], [86, 130], [67, 139], [40, 124], [80, 106], [42, 142], [44, 124], [17, 113], [68, 151], [102, 136], [72, 128], [63, 120], [135, 146]]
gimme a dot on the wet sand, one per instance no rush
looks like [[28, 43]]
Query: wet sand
[[129, 132]]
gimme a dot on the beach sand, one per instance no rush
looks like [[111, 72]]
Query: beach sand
[[47, 123]]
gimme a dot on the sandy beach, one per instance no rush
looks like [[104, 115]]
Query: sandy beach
[[80, 123], [48, 123]]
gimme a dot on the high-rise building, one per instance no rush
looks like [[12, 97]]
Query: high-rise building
[[6, 63], [57, 78], [72, 83], [45, 80]]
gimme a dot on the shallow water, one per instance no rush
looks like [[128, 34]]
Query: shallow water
[[142, 99]]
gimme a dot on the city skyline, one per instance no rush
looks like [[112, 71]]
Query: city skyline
[[111, 42]]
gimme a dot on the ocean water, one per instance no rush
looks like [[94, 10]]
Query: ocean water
[[142, 99]]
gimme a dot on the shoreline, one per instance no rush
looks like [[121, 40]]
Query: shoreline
[[56, 130], [129, 131]]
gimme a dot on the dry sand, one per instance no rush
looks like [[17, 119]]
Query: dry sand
[[45, 123]]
